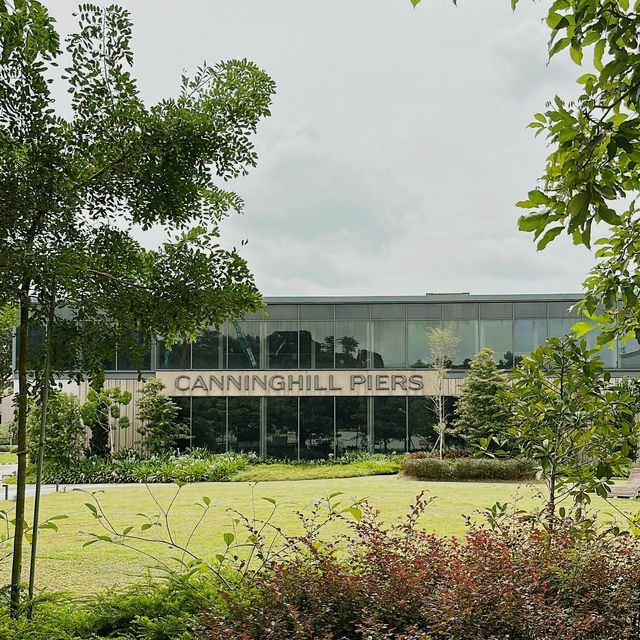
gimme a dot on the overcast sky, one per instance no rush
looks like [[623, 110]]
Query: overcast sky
[[397, 145]]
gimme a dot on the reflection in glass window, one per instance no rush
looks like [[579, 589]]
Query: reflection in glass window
[[177, 357], [282, 345], [316, 428], [529, 334], [422, 421], [183, 417], [207, 351], [418, 342], [496, 334], [389, 344], [208, 423], [351, 344], [282, 428], [467, 333], [351, 425], [389, 423], [316, 345], [136, 355], [243, 340], [244, 424]]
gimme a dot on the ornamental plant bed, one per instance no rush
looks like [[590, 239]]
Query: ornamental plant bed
[[466, 469]]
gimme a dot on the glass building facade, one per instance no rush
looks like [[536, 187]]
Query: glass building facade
[[359, 335]]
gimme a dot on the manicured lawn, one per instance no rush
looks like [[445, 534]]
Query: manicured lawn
[[66, 566], [8, 458]]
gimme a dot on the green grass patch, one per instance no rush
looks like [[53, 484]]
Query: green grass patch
[[283, 471], [65, 565], [8, 458]]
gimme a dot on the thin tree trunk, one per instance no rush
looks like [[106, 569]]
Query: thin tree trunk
[[16, 566], [43, 426]]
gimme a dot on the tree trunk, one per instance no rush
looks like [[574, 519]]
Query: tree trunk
[[16, 566]]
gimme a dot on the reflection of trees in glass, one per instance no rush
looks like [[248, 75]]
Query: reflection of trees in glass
[[349, 355], [244, 346], [244, 424], [316, 428], [206, 351], [282, 428], [208, 423], [283, 349], [177, 357], [390, 424], [351, 424]]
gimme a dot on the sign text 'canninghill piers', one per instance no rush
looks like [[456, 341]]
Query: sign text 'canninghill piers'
[[296, 383]]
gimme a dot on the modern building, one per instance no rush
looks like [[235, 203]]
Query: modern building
[[312, 377]]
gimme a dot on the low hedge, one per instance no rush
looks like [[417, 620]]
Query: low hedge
[[466, 469]]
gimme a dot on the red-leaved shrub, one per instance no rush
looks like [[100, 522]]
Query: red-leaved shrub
[[514, 581]]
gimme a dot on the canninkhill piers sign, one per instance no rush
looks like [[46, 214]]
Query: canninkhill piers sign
[[297, 383]]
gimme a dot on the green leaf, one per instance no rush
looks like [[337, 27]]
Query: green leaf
[[206, 500], [533, 221], [356, 513], [228, 538], [582, 328], [598, 51], [415, 3], [548, 237], [576, 55]]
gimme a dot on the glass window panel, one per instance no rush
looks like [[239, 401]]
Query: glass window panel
[[316, 311], [529, 334], [560, 327], [496, 310], [390, 424], [420, 311], [207, 352], [177, 357], [244, 424], [388, 311], [351, 425], [419, 355], [561, 309], [316, 345], [356, 311], [282, 428], [461, 311], [530, 309], [630, 354], [243, 340], [208, 423], [389, 344], [422, 422], [137, 356], [497, 335], [282, 345], [316, 428], [282, 312], [351, 344], [183, 417], [467, 333]]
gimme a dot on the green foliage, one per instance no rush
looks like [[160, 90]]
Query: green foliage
[[8, 320], [481, 411], [158, 413], [64, 435], [570, 421], [464, 469], [164, 468], [101, 413]]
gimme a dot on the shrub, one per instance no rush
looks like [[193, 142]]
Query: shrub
[[429, 468], [64, 435]]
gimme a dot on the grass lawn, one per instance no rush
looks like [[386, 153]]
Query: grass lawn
[[65, 566], [8, 458]]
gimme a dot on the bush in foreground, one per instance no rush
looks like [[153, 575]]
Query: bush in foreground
[[461, 469], [509, 579]]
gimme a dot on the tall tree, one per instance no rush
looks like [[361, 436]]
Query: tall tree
[[443, 346], [481, 411], [8, 320], [570, 421], [74, 188]]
